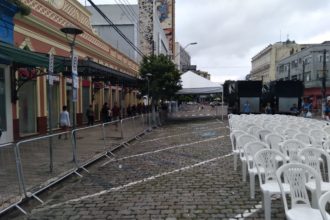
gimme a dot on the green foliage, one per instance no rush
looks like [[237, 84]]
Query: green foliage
[[22, 8], [165, 80]]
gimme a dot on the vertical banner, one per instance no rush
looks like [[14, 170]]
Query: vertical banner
[[51, 69], [74, 76]]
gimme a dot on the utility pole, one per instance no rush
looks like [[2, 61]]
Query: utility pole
[[303, 71], [324, 78]]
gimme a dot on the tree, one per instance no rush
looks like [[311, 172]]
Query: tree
[[164, 81]]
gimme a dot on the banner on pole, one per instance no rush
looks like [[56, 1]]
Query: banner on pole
[[51, 69]]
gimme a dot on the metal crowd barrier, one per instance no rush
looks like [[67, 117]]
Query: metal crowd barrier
[[113, 135], [45, 161], [158, 122], [128, 129], [139, 125], [11, 192], [34, 165], [89, 144]]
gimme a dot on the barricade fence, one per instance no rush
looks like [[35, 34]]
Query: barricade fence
[[89, 144], [128, 129], [11, 190], [31, 166], [44, 161], [113, 134]]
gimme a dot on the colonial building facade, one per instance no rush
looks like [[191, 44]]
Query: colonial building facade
[[105, 74], [264, 63], [307, 66]]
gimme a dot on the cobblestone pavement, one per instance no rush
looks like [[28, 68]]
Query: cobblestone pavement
[[179, 171]]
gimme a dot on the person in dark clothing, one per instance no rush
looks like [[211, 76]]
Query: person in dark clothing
[[129, 111], [105, 113], [133, 110], [90, 115], [268, 109], [115, 112], [294, 110]]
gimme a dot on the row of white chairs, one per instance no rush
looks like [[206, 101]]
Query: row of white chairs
[[261, 151]]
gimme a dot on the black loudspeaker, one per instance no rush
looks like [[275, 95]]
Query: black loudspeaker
[[289, 88], [249, 88]]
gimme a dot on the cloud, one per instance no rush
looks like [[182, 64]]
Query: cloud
[[230, 32]]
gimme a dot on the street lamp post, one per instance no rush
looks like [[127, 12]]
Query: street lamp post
[[73, 32], [192, 43], [148, 75]]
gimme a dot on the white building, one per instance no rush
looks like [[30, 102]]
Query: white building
[[182, 58]]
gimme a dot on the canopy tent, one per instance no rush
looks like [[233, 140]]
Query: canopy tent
[[195, 84]]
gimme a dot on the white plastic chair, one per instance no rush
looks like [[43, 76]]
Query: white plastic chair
[[324, 199], [262, 134], [305, 138], [290, 133], [297, 175], [266, 163], [280, 130], [250, 150], [314, 158], [318, 135], [273, 140], [327, 129], [326, 146], [291, 148], [241, 142], [253, 130], [233, 138]]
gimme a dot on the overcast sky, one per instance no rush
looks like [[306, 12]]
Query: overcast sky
[[230, 32]]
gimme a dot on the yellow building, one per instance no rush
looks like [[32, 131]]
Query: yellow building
[[105, 74]]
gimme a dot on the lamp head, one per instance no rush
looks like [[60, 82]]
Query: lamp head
[[71, 31]]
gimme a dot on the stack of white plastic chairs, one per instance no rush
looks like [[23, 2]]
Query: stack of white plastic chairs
[[277, 149]]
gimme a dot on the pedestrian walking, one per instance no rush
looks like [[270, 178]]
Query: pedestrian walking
[[64, 121], [90, 115]]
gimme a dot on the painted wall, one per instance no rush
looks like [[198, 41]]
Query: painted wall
[[7, 12]]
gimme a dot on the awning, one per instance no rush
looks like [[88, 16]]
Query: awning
[[18, 57], [11, 54], [97, 71]]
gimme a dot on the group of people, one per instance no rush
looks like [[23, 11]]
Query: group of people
[[106, 113], [306, 109]]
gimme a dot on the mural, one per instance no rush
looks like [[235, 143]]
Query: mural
[[165, 13], [165, 10]]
